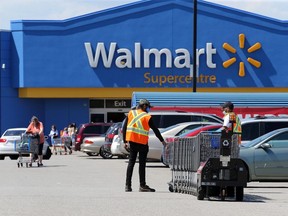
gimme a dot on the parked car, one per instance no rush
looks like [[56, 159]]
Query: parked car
[[89, 130], [266, 156], [94, 146], [117, 147], [196, 131], [191, 133], [155, 146], [167, 119], [112, 131], [256, 127], [7, 142]]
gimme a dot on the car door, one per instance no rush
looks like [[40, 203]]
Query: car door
[[272, 162]]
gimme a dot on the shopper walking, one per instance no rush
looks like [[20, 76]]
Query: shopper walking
[[36, 128], [136, 132], [53, 135]]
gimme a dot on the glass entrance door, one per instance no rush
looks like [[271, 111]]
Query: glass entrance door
[[97, 117], [115, 116]]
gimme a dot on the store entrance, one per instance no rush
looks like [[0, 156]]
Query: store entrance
[[112, 116], [109, 110], [97, 117], [115, 116]]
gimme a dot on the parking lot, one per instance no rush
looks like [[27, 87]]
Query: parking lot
[[81, 185]]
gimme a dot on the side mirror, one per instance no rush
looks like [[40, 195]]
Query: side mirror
[[265, 145]]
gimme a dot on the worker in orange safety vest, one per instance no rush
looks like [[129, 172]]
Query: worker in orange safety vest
[[231, 120], [136, 128]]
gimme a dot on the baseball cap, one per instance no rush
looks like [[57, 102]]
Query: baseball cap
[[145, 102], [228, 104]]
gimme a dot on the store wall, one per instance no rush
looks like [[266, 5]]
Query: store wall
[[62, 112], [146, 44], [107, 48]]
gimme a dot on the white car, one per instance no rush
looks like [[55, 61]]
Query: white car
[[8, 140], [94, 146], [117, 149], [156, 147]]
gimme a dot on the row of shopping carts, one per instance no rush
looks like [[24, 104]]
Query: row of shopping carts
[[197, 162], [62, 145]]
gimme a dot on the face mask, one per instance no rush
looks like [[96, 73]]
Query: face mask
[[148, 109], [224, 112]]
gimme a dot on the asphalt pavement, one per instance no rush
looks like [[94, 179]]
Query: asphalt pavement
[[81, 185]]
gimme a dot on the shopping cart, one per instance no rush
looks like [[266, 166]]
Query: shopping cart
[[26, 145], [207, 165], [60, 145]]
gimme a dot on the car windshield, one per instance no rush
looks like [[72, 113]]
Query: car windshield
[[257, 140], [14, 133]]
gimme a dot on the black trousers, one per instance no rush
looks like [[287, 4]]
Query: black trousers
[[136, 148]]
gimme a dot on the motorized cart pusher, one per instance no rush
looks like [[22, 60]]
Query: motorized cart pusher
[[207, 166]]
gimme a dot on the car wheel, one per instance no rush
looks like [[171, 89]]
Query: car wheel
[[92, 153], [48, 154], [2, 157], [105, 153], [14, 157]]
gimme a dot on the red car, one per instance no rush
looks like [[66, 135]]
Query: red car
[[196, 131], [89, 130]]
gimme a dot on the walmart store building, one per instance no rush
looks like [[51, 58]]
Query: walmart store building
[[85, 68]]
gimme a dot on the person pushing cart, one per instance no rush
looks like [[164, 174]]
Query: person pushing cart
[[36, 129]]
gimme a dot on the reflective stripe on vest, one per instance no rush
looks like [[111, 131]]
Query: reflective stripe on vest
[[237, 127]]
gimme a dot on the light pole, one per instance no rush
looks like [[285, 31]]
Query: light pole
[[195, 46]]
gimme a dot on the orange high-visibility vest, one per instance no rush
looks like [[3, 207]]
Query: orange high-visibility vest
[[235, 121], [138, 126], [236, 125]]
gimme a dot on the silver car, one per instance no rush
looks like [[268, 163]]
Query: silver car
[[267, 156], [8, 140], [94, 146]]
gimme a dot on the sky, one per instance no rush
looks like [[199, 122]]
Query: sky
[[65, 9]]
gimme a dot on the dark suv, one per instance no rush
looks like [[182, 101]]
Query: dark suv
[[88, 130]]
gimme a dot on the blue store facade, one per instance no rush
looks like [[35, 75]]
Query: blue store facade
[[85, 68]]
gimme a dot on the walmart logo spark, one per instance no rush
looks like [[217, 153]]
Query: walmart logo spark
[[251, 49]]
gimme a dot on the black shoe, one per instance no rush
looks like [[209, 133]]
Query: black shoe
[[128, 188], [146, 188]]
